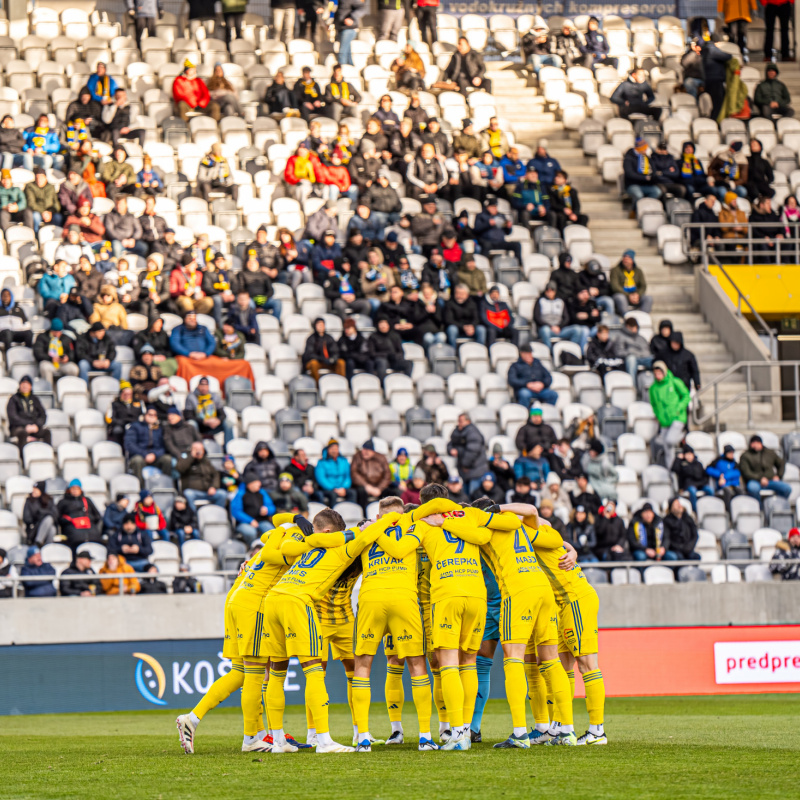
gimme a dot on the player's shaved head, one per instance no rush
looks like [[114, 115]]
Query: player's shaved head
[[328, 521], [388, 504], [432, 492]]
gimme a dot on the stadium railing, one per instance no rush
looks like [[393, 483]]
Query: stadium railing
[[755, 250]]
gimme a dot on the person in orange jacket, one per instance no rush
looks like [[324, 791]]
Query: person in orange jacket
[[190, 93], [737, 14], [114, 565]]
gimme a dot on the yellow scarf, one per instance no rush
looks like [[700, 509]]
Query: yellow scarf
[[342, 88], [303, 170], [308, 88], [495, 143]]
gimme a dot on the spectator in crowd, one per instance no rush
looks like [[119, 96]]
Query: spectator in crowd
[[370, 475], [468, 273], [190, 94], [762, 470], [265, 465], [132, 542], [426, 11], [256, 280], [34, 567], [171, 252], [501, 469], [13, 204], [546, 512], [214, 175], [659, 344], [205, 408], [81, 566], [252, 508], [78, 517], [12, 141], [182, 523], [72, 191], [42, 146], [332, 475], [408, 69], [636, 96], [514, 169], [383, 200], [115, 565], [321, 221], [74, 307], [602, 353], [565, 202], [633, 348], [157, 338], [120, 180], [73, 248], [522, 491], [90, 226], [303, 473], [278, 99], [369, 224], [493, 229], [715, 71], [647, 537], [550, 315], [760, 175], [468, 447], [780, 10], [122, 412], [455, 489], [144, 14], [497, 318], [55, 353], [563, 461], [218, 285], [286, 497], [144, 445], [728, 173], [705, 213], [596, 47], [628, 286], [494, 139], [465, 70], [149, 184], [682, 362], [385, 350], [339, 94], [692, 477], [736, 14], [764, 225], [39, 516], [192, 340], [732, 222], [116, 121], [42, 201], [363, 168], [535, 431], [353, 349], [583, 318], [151, 585], [411, 493], [691, 173], [537, 48], [530, 379], [787, 551], [96, 352], [681, 532], [611, 534], [307, 96], [222, 91], [725, 476], [667, 171], [114, 514], [199, 479], [534, 466], [123, 230], [488, 487], [108, 311], [230, 342], [639, 175], [530, 198], [581, 534], [461, 317], [603, 475], [567, 45], [546, 165], [669, 398], [26, 415], [431, 464], [427, 173], [468, 141], [322, 352], [772, 97]]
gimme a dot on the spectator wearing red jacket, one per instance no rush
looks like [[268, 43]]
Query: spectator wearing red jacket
[[496, 316], [148, 517], [190, 94]]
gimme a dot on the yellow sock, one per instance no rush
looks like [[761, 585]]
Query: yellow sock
[[537, 693], [276, 699], [264, 707], [251, 698], [362, 696], [595, 695], [421, 691], [317, 696], [438, 697], [349, 676], [571, 679], [516, 690], [453, 694], [395, 697], [221, 689], [469, 681], [558, 684]]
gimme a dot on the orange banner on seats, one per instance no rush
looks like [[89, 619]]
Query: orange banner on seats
[[684, 661], [220, 368]]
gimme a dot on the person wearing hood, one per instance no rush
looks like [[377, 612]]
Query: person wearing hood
[[691, 174], [370, 474], [252, 508], [771, 97], [20, 333], [647, 538], [670, 400], [565, 279], [659, 344], [151, 585], [692, 477], [760, 175], [633, 348], [694, 76], [179, 435], [114, 514], [322, 352], [728, 172], [385, 350], [488, 487], [39, 516], [81, 566], [55, 353], [35, 567], [680, 529], [594, 279], [497, 318], [87, 110], [682, 362], [639, 174], [206, 409], [725, 476], [550, 313], [629, 286], [199, 479], [635, 96], [603, 475], [287, 497], [26, 415], [764, 224], [581, 534], [332, 474], [265, 465], [612, 536], [413, 487], [78, 516]]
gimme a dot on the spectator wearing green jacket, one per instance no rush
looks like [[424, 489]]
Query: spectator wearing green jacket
[[42, 200], [669, 398], [13, 205], [772, 97]]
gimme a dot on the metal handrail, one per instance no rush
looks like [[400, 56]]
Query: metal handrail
[[784, 246]]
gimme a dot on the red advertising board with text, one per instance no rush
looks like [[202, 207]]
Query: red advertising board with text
[[684, 661]]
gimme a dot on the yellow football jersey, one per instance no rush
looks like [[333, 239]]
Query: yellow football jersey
[[265, 569], [336, 608], [510, 553], [314, 573], [385, 575], [568, 585]]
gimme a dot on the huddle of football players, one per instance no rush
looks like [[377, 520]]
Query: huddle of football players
[[440, 585]]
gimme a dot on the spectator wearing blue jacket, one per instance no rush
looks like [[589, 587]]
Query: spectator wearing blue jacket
[[333, 476], [530, 379], [492, 229], [252, 508], [102, 85], [192, 340], [242, 315], [513, 167], [144, 445], [534, 466], [635, 96], [56, 283], [725, 476], [114, 514], [531, 199], [42, 146], [370, 225], [35, 567], [326, 256], [545, 164], [596, 48]]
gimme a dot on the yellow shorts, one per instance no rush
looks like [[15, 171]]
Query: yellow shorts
[[400, 618], [340, 639], [289, 627], [243, 624], [389, 646], [529, 616], [577, 625], [457, 623], [230, 648]]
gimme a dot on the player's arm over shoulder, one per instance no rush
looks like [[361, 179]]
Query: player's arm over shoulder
[[398, 537], [504, 521], [294, 545], [542, 536], [438, 505], [462, 524]]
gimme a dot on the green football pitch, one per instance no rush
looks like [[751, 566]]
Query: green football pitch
[[658, 747]]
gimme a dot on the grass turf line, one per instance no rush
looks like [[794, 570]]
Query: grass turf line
[[706, 747]]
